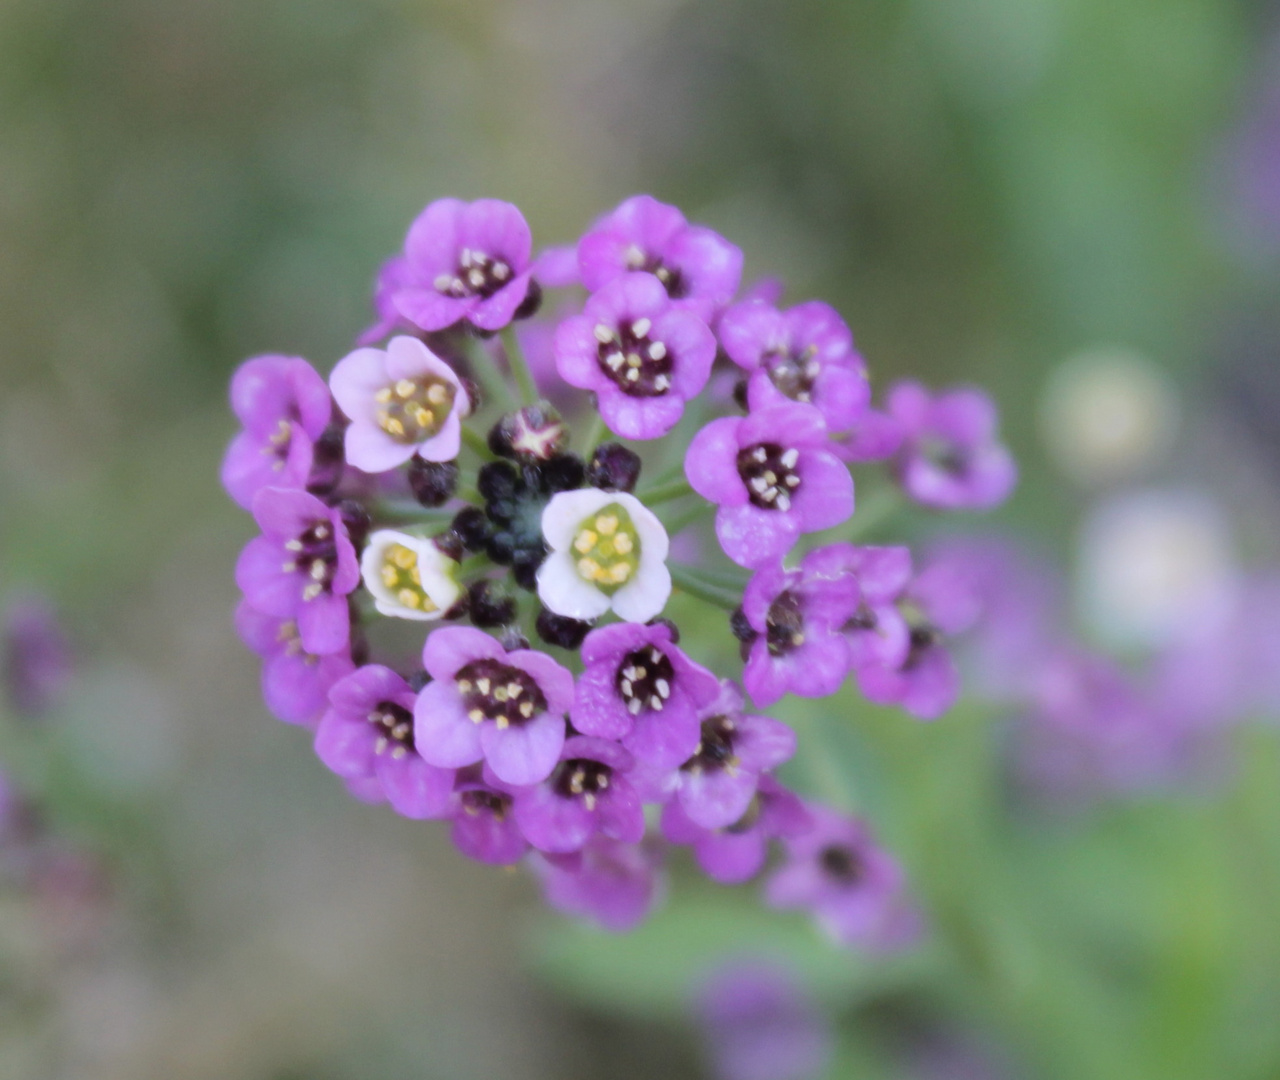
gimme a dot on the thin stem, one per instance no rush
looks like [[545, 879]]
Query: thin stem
[[877, 508], [685, 518], [490, 376], [519, 366], [674, 489], [477, 443], [594, 434], [686, 579], [409, 512], [734, 580]]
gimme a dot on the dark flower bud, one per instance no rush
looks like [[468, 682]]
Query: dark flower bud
[[328, 462], [662, 620], [563, 473], [524, 566], [558, 630], [472, 528], [501, 546], [613, 468], [450, 544], [531, 302], [432, 482], [534, 433], [498, 482], [474, 395], [491, 604], [356, 518]]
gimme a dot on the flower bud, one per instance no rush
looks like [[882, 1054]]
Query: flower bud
[[613, 468]]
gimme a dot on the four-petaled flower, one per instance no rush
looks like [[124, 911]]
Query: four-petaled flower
[[408, 576]]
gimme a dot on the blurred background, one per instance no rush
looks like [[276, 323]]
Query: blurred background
[[1074, 203]]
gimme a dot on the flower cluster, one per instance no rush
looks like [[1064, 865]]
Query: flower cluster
[[546, 697]]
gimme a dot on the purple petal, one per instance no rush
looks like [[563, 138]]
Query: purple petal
[[283, 513], [524, 754], [668, 738], [716, 799], [751, 536], [442, 732], [553, 679], [825, 496], [431, 310], [732, 858], [372, 450], [551, 822], [264, 582], [711, 463], [597, 706], [639, 418], [324, 624], [344, 745], [452, 647], [487, 838], [414, 788]]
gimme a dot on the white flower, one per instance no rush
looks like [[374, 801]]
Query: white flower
[[607, 551], [409, 577]]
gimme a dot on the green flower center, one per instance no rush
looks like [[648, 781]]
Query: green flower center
[[413, 410], [606, 549], [401, 575]]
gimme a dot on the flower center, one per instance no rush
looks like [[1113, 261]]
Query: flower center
[[291, 641], [922, 637], [749, 818], [671, 277], [640, 367], [582, 778], [485, 802], [784, 624], [402, 577], [715, 750], [945, 456], [315, 554], [413, 410], [607, 549], [863, 619], [644, 680], [477, 274], [394, 725], [768, 470], [495, 691], [794, 373], [842, 864], [278, 444]]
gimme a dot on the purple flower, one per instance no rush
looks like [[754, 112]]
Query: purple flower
[[612, 883], [485, 703], [950, 458], [804, 354], [37, 656], [284, 407], [642, 355], [941, 601], [301, 567], [760, 1024], [587, 793], [639, 688], [401, 402], [877, 632], [698, 268], [295, 683], [798, 616], [484, 828], [465, 261], [854, 888], [368, 731], [874, 436], [716, 785], [736, 852], [393, 275], [773, 477]]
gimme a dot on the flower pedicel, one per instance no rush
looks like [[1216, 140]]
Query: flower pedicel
[[429, 482]]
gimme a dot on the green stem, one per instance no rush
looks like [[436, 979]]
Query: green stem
[[474, 563], [519, 366], [470, 494], [594, 434], [477, 443], [685, 518], [675, 489], [875, 510], [490, 376], [687, 579], [408, 512]]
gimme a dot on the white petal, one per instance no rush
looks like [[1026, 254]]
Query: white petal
[[563, 592], [645, 595], [565, 512], [435, 568], [653, 537]]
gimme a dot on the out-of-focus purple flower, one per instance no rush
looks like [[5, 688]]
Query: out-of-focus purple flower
[[284, 406], [301, 567], [484, 828], [737, 852], [402, 402], [368, 731], [874, 436], [760, 1024], [773, 477], [465, 261], [37, 657], [641, 355], [614, 884], [950, 457], [587, 793], [640, 688], [854, 888], [698, 268], [295, 683], [393, 275], [557, 267], [486, 703], [716, 785], [941, 601], [798, 616], [876, 632], [803, 354]]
